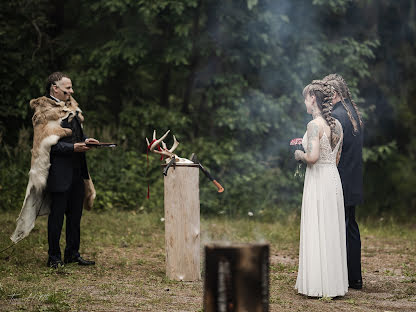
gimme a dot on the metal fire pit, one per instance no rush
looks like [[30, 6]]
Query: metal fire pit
[[236, 278]]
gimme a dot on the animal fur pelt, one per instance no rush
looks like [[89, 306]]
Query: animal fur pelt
[[47, 130]]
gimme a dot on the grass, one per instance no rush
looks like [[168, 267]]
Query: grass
[[130, 270]]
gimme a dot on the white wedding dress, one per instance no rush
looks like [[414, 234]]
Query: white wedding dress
[[322, 251]]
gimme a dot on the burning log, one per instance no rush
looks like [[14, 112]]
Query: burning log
[[236, 278]]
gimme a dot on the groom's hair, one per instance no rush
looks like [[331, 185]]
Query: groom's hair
[[338, 82]]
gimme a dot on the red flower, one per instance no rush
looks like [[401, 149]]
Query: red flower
[[296, 141]]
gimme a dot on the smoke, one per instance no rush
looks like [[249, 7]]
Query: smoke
[[264, 56]]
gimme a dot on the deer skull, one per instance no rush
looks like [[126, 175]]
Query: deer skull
[[154, 146]]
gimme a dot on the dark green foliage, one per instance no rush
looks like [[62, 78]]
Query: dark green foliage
[[226, 77], [14, 165]]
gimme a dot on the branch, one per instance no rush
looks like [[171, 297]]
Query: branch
[[39, 39]]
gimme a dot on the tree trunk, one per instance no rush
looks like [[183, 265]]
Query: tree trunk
[[164, 90], [194, 62]]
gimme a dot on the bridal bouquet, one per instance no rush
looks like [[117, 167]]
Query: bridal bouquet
[[296, 144]]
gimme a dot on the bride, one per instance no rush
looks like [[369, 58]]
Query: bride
[[322, 251]]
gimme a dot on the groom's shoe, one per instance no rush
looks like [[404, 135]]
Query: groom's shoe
[[53, 263], [357, 284], [79, 260]]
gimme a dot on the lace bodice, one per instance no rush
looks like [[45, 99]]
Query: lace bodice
[[326, 154]]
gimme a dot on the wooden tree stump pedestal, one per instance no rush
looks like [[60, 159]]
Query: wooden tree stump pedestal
[[182, 223]]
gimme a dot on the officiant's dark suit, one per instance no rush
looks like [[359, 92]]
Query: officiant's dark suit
[[64, 160], [66, 187], [350, 169]]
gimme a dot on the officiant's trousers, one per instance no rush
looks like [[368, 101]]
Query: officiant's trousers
[[68, 203], [353, 245]]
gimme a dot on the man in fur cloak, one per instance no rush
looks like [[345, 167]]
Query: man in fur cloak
[[59, 182]]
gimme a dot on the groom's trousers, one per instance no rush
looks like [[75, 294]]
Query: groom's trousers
[[353, 245]]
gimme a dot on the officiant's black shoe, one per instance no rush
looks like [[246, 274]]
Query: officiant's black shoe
[[54, 264], [79, 260], [357, 284]]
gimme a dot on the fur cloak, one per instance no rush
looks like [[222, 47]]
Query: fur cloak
[[47, 130]]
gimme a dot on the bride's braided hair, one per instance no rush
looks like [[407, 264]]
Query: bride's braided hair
[[323, 93], [344, 92]]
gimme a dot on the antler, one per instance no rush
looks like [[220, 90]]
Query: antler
[[175, 145], [152, 145], [164, 150]]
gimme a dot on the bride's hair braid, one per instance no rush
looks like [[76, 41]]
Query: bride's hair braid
[[327, 113], [345, 93], [323, 93]]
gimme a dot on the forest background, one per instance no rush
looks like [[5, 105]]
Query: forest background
[[226, 77]]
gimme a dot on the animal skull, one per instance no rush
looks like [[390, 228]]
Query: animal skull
[[154, 146]]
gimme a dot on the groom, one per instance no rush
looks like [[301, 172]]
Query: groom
[[350, 169]]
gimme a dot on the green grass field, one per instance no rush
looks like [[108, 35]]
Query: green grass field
[[130, 271]]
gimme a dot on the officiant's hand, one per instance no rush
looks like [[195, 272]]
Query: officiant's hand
[[80, 147], [91, 140]]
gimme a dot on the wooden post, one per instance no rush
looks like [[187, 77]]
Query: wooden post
[[236, 278], [182, 223]]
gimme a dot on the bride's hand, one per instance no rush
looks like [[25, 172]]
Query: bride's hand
[[299, 155]]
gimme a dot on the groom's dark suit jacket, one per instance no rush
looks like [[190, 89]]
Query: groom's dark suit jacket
[[63, 158], [350, 166]]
